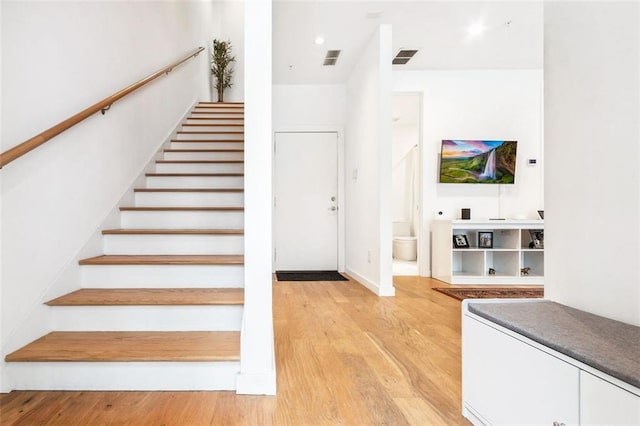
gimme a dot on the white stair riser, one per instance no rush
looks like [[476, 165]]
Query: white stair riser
[[199, 167], [204, 156], [206, 113], [182, 219], [162, 276], [207, 145], [210, 119], [190, 199], [173, 244], [218, 109], [147, 318], [124, 376], [213, 127], [195, 182], [209, 136]]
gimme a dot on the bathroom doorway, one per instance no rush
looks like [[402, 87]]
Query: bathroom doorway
[[406, 183]]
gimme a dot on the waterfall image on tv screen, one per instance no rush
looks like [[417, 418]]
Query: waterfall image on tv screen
[[467, 161]]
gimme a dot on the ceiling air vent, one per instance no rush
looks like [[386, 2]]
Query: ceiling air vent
[[332, 57], [403, 56]]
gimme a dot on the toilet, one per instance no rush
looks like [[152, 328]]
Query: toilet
[[404, 245]]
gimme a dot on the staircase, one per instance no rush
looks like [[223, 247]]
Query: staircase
[[162, 308]]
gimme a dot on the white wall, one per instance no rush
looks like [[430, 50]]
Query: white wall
[[309, 106], [258, 374], [58, 58], [2, 351], [491, 104], [592, 116], [368, 166], [231, 20]]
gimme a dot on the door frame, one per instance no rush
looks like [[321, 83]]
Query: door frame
[[423, 241], [339, 131]]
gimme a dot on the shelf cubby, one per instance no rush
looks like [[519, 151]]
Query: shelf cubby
[[533, 259], [525, 238], [468, 262], [505, 263]]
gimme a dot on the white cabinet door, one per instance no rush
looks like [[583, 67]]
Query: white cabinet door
[[602, 403], [508, 382]]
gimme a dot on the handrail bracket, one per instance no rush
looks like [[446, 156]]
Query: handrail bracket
[[105, 109]]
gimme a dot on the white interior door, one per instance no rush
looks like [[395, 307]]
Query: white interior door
[[306, 201]]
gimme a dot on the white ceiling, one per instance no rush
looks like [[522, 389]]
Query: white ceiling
[[513, 36]]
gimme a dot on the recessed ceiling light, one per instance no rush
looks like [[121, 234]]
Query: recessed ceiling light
[[319, 40], [476, 29]]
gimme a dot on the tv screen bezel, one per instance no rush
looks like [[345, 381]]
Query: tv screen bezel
[[478, 182]]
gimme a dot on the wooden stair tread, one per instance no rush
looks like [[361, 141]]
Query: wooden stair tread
[[199, 161], [150, 296], [212, 125], [168, 259], [211, 132], [188, 190], [194, 174], [213, 112], [216, 118], [202, 346], [208, 140], [220, 103], [182, 209], [238, 108], [193, 231], [205, 150]]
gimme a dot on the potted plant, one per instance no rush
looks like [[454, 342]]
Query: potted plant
[[222, 66]]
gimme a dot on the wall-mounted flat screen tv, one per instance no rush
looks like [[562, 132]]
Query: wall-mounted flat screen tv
[[467, 161]]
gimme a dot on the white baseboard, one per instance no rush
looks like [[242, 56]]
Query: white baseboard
[[256, 383], [472, 416], [380, 291], [4, 382]]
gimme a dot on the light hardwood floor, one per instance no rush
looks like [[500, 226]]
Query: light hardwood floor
[[344, 356]]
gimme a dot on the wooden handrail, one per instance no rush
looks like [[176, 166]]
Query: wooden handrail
[[30, 144]]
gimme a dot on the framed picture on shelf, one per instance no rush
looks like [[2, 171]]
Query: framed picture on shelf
[[485, 239], [537, 238], [460, 241]]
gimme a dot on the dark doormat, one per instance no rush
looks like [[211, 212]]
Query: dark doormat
[[310, 276]]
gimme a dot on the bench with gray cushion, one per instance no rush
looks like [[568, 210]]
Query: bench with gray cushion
[[610, 346]]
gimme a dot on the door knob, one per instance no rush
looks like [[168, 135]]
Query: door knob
[[333, 208]]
